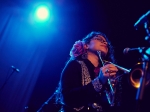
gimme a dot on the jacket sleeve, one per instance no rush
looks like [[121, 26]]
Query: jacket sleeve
[[74, 93]]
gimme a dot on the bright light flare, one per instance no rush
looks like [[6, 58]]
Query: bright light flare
[[42, 13]]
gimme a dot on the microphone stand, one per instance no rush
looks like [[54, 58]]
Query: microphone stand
[[143, 79], [140, 91], [45, 103], [7, 78]]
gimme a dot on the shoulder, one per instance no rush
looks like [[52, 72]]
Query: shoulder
[[72, 62], [71, 67]]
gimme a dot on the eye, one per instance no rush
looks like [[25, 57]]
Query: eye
[[100, 39]]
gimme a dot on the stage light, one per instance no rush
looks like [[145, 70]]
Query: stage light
[[42, 13]]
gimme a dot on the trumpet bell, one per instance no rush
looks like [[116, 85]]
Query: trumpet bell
[[135, 74]]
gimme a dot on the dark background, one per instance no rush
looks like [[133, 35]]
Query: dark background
[[74, 19]]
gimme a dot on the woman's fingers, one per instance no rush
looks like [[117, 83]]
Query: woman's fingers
[[111, 67], [109, 70]]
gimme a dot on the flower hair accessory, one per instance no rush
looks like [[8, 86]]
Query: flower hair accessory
[[77, 49]]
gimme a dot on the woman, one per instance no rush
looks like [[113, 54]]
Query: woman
[[84, 78]]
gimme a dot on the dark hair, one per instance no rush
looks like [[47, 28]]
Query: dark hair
[[110, 54]]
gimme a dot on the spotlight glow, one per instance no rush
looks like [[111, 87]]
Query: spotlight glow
[[42, 13]]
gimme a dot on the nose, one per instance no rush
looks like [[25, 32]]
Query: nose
[[105, 42]]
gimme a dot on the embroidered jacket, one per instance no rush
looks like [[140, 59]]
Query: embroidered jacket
[[81, 90]]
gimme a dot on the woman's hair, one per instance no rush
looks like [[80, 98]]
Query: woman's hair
[[110, 54], [78, 48]]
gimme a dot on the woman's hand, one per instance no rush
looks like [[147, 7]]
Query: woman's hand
[[107, 71]]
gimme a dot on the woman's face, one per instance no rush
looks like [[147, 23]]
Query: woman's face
[[98, 43]]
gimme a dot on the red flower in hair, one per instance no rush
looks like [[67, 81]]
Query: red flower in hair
[[77, 49]]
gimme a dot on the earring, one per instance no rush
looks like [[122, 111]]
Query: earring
[[84, 56]]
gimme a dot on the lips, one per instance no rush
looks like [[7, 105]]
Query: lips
[[104, 46]]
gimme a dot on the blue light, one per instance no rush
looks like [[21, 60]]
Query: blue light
[[42, 13], [148, 51], [41, 18]]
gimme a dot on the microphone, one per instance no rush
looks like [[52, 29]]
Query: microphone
[[15, 69], [144, 18], [128, 50]]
